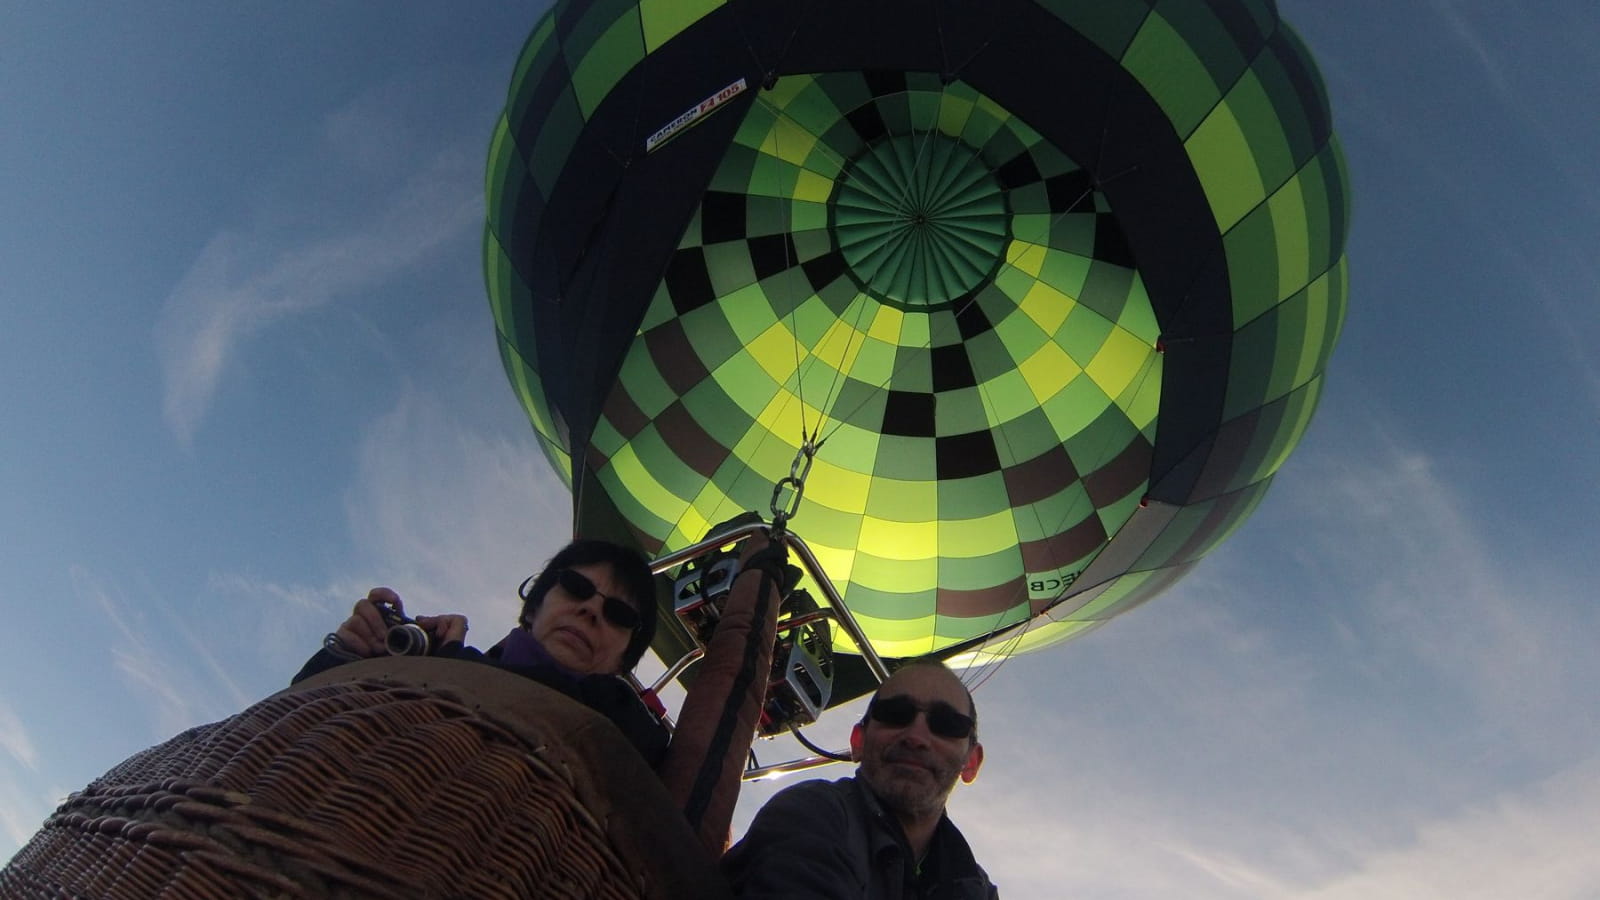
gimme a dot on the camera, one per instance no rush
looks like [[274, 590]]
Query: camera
[[405, 636]]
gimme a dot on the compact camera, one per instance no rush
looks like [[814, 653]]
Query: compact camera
[[405, 637]]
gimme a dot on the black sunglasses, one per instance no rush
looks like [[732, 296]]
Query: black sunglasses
[[900, 711], [616, 610]]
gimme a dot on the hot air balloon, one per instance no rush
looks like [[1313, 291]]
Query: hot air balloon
[[1040, 292]]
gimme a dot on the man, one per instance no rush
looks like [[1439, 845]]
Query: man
[[883, 834]]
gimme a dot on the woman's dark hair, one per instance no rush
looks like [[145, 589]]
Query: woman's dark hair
[[628, 567]]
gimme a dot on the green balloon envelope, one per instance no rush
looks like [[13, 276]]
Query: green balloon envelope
[[1054, 284]]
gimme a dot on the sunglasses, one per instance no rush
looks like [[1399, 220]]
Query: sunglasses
[[616, 610], [900, 711]]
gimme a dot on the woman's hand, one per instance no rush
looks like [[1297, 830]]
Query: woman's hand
[[364, 634], [449, 628]]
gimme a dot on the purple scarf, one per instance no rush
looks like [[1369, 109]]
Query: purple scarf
[[521, 648]]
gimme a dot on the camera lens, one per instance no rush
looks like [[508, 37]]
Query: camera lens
[[407, 640]]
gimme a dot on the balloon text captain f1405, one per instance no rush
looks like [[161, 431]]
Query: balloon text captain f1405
[[1049, 285]]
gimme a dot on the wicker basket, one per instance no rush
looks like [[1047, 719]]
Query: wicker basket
[[385, 778]]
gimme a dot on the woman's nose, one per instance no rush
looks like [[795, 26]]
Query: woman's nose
[[591, 607]]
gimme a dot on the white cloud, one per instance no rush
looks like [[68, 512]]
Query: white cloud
[[21, 808], [1416, 116], [281, 623], [1467, 36], [1434, 582], [1533, 844], [25, 802], [242, 284], [454, 518], [1097, 850], [156, 668], [14, 739], [451, 516], [1556, 263]]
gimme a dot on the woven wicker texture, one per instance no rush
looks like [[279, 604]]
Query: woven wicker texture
[[387, 778]]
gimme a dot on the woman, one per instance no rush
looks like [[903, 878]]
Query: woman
[[586, 619]]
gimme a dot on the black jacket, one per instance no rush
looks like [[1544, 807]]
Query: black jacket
[[608, 695], [833, 839]]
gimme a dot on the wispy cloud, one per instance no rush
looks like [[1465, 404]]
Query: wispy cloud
[[1437, 583], [24, 804], [1500, 59], [450, 515], [1556, 260], [280, 622], [245, 282], [1489, 101], [456, 517], [14, 739], [158, 671], [1467, 36], [1532, 844], [21, 806]]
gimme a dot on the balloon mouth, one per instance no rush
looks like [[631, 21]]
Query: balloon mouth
[[920, 220]]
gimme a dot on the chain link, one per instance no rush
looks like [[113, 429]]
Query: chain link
[[796, 482]]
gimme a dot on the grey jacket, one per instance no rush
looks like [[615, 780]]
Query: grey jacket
[[832, 839]]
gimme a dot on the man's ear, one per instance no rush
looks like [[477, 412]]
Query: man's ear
[[855, 742], [969, 772]]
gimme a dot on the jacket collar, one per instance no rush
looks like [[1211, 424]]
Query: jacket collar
[[956, 858]]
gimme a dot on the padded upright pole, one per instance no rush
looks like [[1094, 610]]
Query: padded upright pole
[[717, 724]]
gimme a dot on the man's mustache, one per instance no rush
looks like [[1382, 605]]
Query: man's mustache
[[902, 755]]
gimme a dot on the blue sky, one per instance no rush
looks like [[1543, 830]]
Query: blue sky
[[246, 372]]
